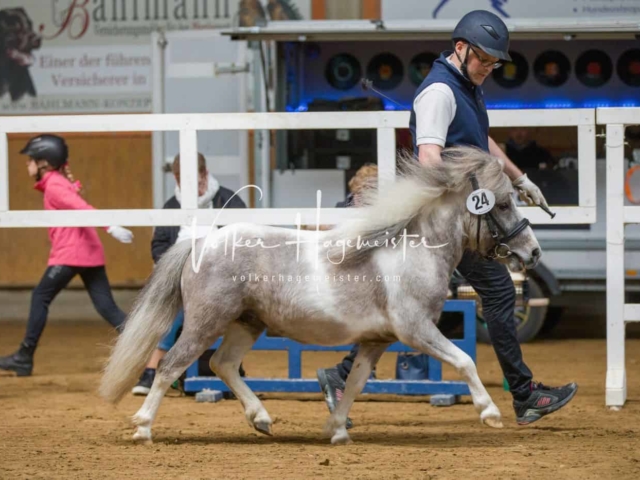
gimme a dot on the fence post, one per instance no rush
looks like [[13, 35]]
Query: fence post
[[587, 165], [189, 169], [616, 383], [386, 144]]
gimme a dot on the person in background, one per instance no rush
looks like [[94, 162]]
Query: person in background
[[210, 195], [74, 250], [526, 153]]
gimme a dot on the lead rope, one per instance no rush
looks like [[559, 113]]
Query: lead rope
[[476, 186]]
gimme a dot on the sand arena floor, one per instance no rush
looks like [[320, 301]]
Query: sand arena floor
[[55, 426]]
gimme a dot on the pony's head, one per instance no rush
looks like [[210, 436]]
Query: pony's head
[[495, 227], [468, 182]]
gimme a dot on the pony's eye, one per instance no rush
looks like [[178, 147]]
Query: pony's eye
[[504, 206]]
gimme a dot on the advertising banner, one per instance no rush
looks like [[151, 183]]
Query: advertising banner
[[94, 56], [550, 9]]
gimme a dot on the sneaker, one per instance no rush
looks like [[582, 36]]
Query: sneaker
[[332, 386], [543, 401], [19, 362], [144, 384]]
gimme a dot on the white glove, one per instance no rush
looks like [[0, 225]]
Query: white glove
[[121, 234], [529, 191]]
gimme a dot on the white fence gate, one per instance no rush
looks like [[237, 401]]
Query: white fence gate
[[618, 313], [188, 125]]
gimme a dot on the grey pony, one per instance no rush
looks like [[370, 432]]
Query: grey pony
[[311, 293]]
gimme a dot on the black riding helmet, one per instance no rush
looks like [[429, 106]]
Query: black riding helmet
[[486, 31], [51, 148]]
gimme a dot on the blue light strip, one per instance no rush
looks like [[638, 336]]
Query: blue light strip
[[548, 104]]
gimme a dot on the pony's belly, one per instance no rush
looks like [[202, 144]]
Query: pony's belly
[[319, 332], [328, 331]]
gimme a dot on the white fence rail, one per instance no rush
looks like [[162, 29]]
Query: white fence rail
[[618, 313], [188, 126], [615, 119]]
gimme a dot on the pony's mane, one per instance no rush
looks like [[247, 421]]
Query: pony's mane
[[415, 189]]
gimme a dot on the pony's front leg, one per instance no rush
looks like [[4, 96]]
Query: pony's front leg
[[428, 339], [367, 358]]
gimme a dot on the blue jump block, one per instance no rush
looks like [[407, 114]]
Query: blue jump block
[[296, 384]]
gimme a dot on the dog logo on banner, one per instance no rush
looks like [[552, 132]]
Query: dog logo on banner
[[18, 39]]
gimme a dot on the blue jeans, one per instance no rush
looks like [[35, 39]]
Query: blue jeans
[[170, 338]]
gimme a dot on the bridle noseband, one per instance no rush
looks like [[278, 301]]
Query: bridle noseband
[[500, 235]]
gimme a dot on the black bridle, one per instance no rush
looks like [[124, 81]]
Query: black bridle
[[500, 235]]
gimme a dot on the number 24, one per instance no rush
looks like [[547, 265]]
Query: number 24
[[481, 201]]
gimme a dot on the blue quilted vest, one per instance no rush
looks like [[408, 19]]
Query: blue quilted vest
[[470, 124]]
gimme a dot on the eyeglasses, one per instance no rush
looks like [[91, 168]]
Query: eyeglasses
[[485, 63]]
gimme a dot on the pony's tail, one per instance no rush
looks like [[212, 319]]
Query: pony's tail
[[153, 312]]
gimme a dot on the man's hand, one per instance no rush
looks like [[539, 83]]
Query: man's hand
[[529, 191]]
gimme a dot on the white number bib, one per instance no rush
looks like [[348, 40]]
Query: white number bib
[[481, 201]]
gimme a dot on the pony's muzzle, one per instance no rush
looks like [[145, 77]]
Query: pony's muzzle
[[536, 253]]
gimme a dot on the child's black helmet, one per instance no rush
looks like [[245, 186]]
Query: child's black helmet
[[51, 148]]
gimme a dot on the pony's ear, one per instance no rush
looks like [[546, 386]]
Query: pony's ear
[[501, 162]]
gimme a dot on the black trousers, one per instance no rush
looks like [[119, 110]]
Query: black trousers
[[57, 277], [492, 282], [344, 367]]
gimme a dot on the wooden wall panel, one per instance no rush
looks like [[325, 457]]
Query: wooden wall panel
[[318, 10], [115, 170], [371, 9]]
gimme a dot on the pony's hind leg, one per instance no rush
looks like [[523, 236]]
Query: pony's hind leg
[[238, 340], [430, 340], [191, 344], [367, 358]]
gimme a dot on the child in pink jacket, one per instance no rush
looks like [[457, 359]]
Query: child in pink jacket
[[74, 250]]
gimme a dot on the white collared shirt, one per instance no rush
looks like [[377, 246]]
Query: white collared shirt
[[435, 109]]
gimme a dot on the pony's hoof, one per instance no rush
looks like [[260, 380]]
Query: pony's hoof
[[491, 417], [143, 436], [341, 438], [263, 427], [493, 422]]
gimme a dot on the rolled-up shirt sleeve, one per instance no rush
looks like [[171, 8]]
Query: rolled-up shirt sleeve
[[435, 108]]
